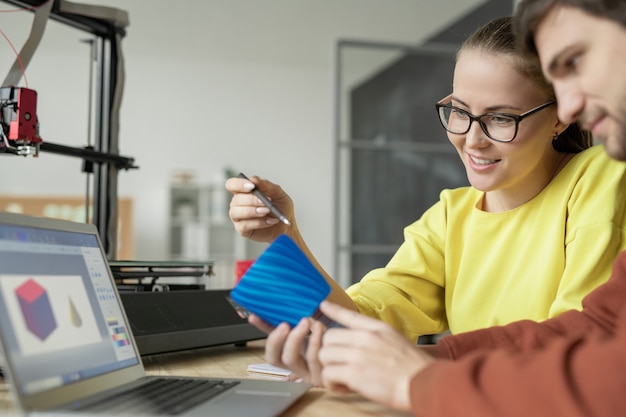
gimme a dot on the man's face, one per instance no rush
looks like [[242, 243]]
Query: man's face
[[583, 56]]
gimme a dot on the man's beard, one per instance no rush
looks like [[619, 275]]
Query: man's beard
[[614, 141]]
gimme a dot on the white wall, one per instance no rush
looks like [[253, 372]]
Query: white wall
[[246, 84]]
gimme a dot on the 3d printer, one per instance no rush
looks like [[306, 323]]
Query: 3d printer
[[164, 317], [18, 117]]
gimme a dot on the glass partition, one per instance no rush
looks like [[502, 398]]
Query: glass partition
[[393, 156]]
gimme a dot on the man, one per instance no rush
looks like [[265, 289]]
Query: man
[[573, 365]]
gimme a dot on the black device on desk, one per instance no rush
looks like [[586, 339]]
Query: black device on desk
[[65, 340], [168, 317]]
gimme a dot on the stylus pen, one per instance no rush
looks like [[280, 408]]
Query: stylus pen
[[266, 201]]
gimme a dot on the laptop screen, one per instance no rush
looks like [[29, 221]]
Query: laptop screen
[[57, 298]]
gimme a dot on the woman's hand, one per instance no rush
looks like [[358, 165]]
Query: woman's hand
[[251, 218], [294, 349]]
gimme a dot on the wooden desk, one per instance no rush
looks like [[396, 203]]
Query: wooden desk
[[231, 362]]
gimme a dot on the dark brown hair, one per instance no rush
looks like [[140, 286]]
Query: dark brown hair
[[530, 13]]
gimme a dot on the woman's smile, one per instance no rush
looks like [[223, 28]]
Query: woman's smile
[[481, 164]]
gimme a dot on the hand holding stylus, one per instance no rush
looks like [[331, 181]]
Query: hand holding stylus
[[268, 203]]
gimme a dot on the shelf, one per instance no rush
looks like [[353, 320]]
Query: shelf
[[199, 228]]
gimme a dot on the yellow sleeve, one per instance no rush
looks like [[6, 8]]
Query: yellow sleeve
[[594, 232], [409, 292]]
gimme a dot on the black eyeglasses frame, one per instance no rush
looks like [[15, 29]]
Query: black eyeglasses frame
[[517, 117]]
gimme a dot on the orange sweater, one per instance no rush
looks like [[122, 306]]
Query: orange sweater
[[572, 365]]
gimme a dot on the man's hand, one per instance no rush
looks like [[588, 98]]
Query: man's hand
[[369, 357]]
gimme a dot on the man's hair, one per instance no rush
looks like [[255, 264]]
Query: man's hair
[[497, 37], [529, 14]]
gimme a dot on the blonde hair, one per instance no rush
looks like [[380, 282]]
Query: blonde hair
[[497, 37]]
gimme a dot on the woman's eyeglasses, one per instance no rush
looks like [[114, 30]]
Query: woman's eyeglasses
[[501, 127]]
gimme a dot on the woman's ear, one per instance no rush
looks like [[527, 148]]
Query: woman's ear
[[559, 127]]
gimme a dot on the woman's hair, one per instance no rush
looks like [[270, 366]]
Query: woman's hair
[[530, 13], [496, 37]]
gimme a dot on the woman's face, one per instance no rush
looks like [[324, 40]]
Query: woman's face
[[485, 83]]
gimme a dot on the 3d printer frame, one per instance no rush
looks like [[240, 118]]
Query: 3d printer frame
[[105, 152]]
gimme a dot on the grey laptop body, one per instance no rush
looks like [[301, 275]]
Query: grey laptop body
[[66, 343]]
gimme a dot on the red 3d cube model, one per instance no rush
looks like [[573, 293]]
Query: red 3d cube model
[[36, 309]]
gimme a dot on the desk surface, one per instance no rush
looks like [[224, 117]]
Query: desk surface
[[232, 362]]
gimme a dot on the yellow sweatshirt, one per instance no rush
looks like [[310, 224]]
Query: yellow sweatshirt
[[462, 269]]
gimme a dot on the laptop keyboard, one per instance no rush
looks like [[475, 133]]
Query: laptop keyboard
[[166, 396]]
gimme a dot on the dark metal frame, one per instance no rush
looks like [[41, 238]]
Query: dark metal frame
[[105, 153]]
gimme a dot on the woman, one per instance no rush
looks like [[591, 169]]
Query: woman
[[528, 239]]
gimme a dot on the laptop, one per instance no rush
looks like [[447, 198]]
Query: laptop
[[66, 343]]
